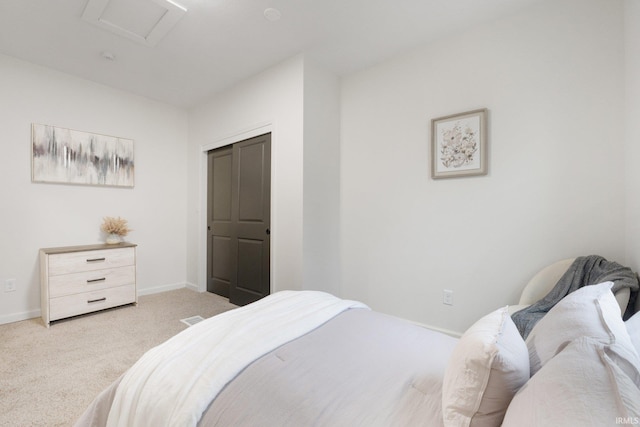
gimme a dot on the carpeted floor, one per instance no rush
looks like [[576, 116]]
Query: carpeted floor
[[49, 376]]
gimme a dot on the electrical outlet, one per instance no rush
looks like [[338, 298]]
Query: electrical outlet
[[447, 297], [10, 285]]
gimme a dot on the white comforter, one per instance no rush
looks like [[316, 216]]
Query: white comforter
[[173, 383]]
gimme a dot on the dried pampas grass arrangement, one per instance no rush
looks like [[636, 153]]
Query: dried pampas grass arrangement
[[118, 226]]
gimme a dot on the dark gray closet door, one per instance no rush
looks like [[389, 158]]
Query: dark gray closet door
[[239, 220]]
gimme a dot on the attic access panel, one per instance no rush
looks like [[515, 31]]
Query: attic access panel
[[143, 21]]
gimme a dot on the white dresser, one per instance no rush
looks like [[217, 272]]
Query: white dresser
[[80, 279]]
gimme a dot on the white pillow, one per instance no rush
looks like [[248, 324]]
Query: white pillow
[[633, 328], [590, 311], [488, 365], [581, 386]]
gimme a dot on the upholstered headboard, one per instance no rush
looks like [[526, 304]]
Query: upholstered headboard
[[543, 281]]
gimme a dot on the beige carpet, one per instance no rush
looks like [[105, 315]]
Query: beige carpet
[[49, 376]]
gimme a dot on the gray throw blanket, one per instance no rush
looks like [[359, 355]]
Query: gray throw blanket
[[587, 270]]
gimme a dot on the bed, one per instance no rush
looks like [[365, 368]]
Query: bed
[[306, 358]]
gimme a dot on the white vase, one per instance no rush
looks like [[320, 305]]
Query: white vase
[[113, 239]]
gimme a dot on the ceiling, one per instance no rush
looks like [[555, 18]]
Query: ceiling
[[217, 43]]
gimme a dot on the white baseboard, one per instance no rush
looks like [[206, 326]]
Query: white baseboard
[[17, 317], [193, 287], [169, 287], [162, 288], [435, 328], [449, 332]]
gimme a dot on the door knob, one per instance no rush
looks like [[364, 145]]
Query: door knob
[[268, 231]]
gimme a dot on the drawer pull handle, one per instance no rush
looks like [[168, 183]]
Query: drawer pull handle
[[95, 259], [102, 279], [96, 300]]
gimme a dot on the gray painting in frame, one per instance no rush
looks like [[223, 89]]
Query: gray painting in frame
[[66, 156], [459, 145]]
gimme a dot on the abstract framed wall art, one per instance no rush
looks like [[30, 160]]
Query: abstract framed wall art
[[459, 145], [66, 156]]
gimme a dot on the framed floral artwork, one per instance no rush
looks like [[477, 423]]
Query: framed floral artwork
[[459, 145]]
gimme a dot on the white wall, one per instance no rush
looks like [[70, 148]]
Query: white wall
[[632, 130], [552, 79], [35, 215], [271, 101], [321, 180], [299, 103]]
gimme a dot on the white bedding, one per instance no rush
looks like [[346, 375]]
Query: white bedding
[[172, 384], [361, 368], [279, 362]]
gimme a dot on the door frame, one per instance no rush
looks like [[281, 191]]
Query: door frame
[[253, 131]]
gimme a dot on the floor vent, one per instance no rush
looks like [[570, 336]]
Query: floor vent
[[192, 320]]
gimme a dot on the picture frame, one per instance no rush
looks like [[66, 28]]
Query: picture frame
[[459, 145], [67, 156]]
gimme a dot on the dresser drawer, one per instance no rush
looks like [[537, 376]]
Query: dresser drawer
[[73, 305], [75, 262], [76, 280], [89, 281]]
